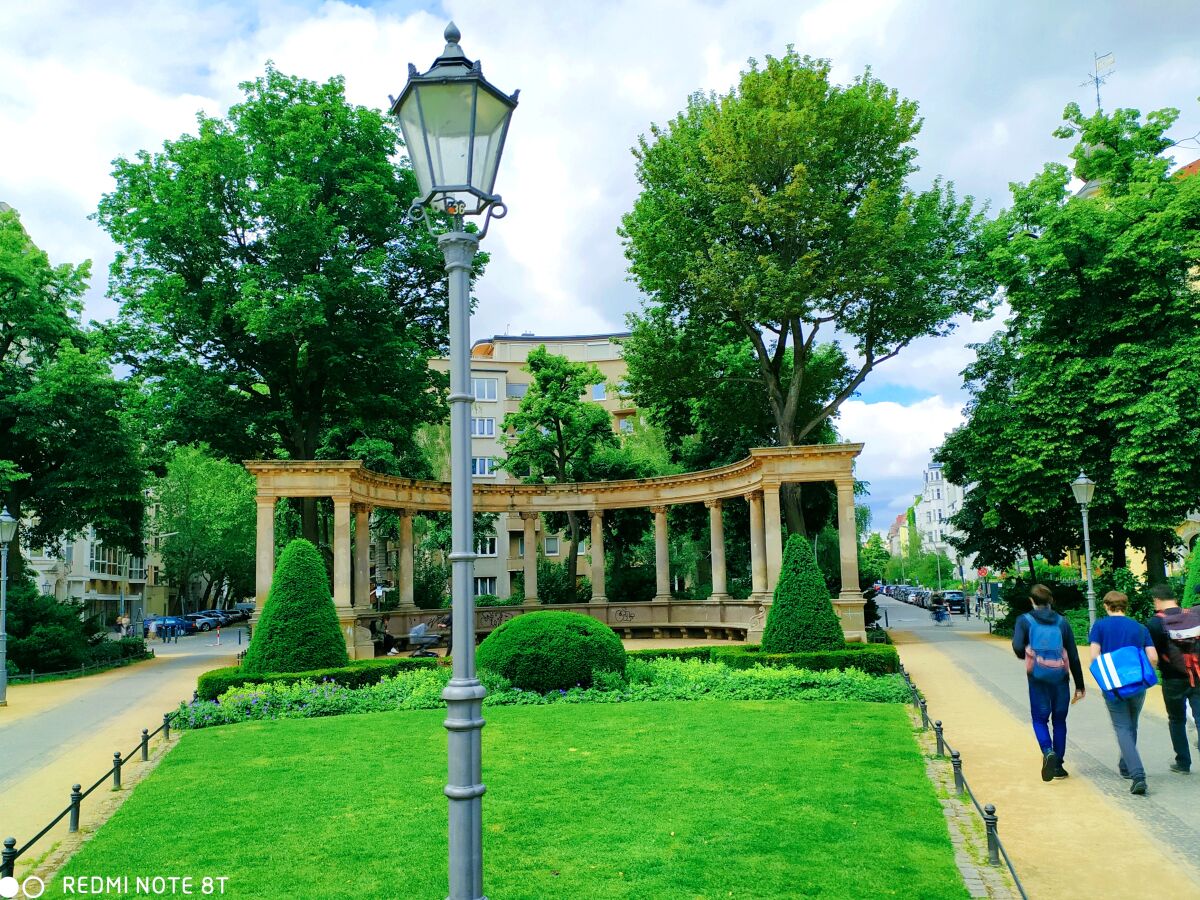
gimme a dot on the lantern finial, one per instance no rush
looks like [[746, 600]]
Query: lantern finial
[[452, 35]]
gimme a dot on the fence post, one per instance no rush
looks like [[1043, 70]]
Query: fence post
[[145, 744], [8, 857], [956, 763], [166, 726], [993, 839], [195, 697], [924, 716], [117, 771], [76, 797], [937, 731]]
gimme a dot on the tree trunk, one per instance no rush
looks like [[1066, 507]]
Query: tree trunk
[[791, 497], [1156, 564], [308, 519], [1029, 559], [573, 552], [1119, 538]]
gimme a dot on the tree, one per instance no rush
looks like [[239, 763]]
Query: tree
[[1100, 361], [873, 559], [781, 211], [801, 617], [555, 434], [67, 457], [275, 298], [206, 510], [298, 629]]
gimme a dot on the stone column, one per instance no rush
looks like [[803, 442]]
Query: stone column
[[598, 595], [362, 559], [758, 550], [264, 552], [529, 557], [662, 555], [773, 530], [341, 554], [404, 566], [849, 604], [716, 527]]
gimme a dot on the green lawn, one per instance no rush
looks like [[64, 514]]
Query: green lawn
[[654, 800]]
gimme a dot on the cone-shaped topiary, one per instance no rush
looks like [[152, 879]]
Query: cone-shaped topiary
[[801, 618], [298, 630]]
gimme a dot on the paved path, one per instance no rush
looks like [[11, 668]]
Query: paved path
[[1086, 836], [55, 734]]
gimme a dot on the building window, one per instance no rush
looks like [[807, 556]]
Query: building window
[[484, 388], [929, 517], [137, 568], [625, 424], [481, 466], [521, 545], [485, 545], [551, 545], [515, 391], [600, 391], [481, 427], [104, 560], [938, 492], [485, 585]]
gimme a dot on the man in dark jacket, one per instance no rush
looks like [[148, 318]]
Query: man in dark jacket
[[1177, 690], [1049, 701]]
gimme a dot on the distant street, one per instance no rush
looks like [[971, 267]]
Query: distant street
[[55, 734]]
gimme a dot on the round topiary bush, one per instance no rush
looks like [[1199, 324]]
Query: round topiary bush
[[551, 650], [298, 630]]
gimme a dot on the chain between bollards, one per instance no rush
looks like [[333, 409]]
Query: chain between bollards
[[993, 838], [941, 744], [956, 763], [117, 771], [76, 797]]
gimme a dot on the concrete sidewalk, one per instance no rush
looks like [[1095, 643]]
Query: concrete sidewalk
[[63, 732], [1086, 836]]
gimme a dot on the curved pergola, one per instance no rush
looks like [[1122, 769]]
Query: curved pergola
[[355, 491]]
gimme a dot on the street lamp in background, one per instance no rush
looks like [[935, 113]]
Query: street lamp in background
[[1083, 488], [8, 532], [454, 125]]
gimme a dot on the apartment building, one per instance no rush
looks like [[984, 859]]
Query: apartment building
[[499, 381], [109, 581], [939, 500]]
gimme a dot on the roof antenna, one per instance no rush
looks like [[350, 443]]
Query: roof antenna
[[1100, 64]]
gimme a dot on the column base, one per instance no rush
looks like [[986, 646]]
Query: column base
[[766, 598], [718, 596], [849, 608], [599, 598], [661, 598]]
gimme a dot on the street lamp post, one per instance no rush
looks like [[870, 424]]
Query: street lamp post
[[8, 531], [454, 125], [1083, 488]]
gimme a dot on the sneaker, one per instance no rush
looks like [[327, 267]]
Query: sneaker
[[1181, 769], [1049, 765], [1060, 772], [1138, 787]]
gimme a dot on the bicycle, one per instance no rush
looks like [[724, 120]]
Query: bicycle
[[941, 616]]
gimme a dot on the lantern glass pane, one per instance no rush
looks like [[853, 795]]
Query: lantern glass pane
[[414, 139], [447, 111], [491, 119], [8, 528]]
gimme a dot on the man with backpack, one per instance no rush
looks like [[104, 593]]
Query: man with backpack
[[1176, 636], [1044, 640]]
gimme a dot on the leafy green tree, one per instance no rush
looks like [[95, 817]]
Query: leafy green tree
[[67, 457], [206, 510], [801, 616], [555, 435], [298, 629], [45, 634], [782, 211], [276, 300], [1099, 365], [873, 559], [1192, 580]]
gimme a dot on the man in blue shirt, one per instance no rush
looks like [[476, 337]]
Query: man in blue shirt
[[1114, 631]]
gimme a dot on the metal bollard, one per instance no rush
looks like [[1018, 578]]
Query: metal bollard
[[239, 637], [924, 716], [993, 838], [145, 744], [166, 726], [956, 763], [76, 797], [937, 731], [8, 857], [195, 697], [117, 771]]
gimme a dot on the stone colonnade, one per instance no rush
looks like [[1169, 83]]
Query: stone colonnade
[[355, 491]]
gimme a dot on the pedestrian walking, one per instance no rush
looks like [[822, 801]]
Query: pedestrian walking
[[1045, 641], [152, 629], [1123, 658], [1176, 636]]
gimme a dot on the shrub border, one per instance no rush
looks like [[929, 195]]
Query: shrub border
[[214, 683]]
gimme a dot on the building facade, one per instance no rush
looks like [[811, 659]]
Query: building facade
[[109, 581], [939, 500]]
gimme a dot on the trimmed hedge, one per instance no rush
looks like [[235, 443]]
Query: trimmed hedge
[[298, 630], [874, 659], [360, 673], [551, 650], [704, 654], [801, 618]]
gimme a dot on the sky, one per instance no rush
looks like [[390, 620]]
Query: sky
[[82, 83]]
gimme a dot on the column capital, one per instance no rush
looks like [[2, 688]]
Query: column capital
[[357, 507], [597, 513], [265, 499], [844, 481], [713, 503], [527, 514], [658, 509], [755, 494]]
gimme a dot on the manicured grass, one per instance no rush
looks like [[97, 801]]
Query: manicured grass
[[717, 799]]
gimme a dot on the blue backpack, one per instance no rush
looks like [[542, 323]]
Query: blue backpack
[[1045, 655]]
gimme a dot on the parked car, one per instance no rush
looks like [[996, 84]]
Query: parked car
[[182, 622], [956, 600], [203, 621], [222, 616]]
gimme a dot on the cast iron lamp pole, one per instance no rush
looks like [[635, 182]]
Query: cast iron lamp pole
[[1083, 488], [8, 531], [454, 125]]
